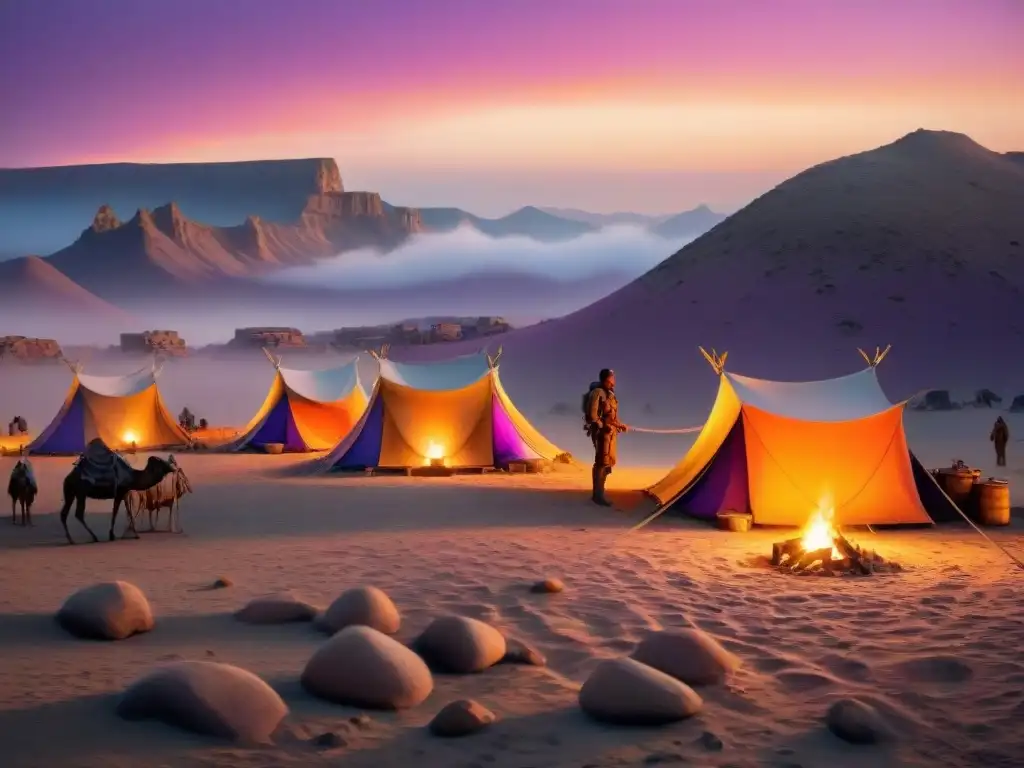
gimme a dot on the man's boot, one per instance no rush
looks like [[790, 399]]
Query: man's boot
[[600, 474]]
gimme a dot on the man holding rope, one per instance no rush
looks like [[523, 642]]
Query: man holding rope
[[601, 417]]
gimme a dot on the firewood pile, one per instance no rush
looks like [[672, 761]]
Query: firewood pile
[[839, 557]]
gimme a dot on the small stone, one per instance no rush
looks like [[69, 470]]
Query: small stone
[[207, 698], [710, 742], [223, 582], [855, 722], [360, 721], [361, 607], [329, 740], [276, 609], [626, 692], [689, 655], [461, 645], [518, 652], [362, 667], [548, 586], [661, 758], [113, 610], [461, 718]]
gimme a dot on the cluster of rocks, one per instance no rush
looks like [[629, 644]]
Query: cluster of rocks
[[360, 665], [363, 665]]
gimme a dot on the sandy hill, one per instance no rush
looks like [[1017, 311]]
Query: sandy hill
[[919, 243], [39, 300], [163, 247], [43, 209]]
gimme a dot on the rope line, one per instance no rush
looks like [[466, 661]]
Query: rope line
[[683, 431]]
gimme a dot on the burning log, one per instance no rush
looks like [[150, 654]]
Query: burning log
[[783, 550], [823, 549], [807, 559]]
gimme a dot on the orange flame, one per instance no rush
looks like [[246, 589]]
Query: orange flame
[[820, 530]]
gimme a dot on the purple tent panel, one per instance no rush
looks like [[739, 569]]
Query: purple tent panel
[[364, 448], [723, 485], [68, 435], [279, 427], [507, 442]]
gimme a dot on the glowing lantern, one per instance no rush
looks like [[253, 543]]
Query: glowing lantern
[[130, 438], [434, 454]]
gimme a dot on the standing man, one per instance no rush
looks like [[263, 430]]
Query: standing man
[[601, 414], [1000, 437]]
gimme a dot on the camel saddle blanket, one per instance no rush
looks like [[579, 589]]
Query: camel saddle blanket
[[101, 466]]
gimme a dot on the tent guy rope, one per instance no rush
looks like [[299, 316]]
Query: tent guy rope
[[683, 431]]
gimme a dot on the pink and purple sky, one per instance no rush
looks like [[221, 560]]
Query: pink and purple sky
[[647, 105]]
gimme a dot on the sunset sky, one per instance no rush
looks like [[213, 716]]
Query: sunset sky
[[650, 105]]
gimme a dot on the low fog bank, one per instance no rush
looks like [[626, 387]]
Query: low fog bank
[[623, 250], [229, 393]]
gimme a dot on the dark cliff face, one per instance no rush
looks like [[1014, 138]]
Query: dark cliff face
[[42, 209]]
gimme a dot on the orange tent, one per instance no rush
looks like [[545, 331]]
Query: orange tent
[[306, 410], [123, 411], [779, 450]]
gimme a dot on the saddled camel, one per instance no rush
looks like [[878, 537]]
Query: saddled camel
[[77, 489]]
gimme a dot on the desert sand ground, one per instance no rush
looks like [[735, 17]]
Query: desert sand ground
[[936, 648]]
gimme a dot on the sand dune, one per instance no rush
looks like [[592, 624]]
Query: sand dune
[[931, 648]]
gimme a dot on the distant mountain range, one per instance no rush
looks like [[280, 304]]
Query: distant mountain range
[[43, 210]]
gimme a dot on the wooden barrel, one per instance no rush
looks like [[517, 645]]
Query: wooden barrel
[[993, 502], [957, 483]]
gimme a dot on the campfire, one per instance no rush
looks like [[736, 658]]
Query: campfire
[[822, 549]]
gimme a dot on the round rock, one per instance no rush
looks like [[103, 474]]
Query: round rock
[[461, 718], [461, 645], [362, 667], [361, 607], [112, 610], [688, 655], [277, 609], [855, 722], [626, 692], [548, 587], [208, 698]]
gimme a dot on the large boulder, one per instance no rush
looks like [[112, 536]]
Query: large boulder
[[361, 607], [276, 609], [112, 610], [206, 697], [626, 692], [461, 718], [362, 667], [855, 722], [689, 655], [461, 645]]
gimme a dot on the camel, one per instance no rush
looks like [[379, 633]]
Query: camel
[[158, 497], [78, 488], [22, 490]]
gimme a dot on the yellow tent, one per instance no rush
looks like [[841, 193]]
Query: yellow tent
[[779, 450], [123, 411], [306, 410], [457, 411]]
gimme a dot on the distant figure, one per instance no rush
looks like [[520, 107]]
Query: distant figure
[[601, 417], [203, 424], [1000, 437], [22, 425], [186, 420]]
